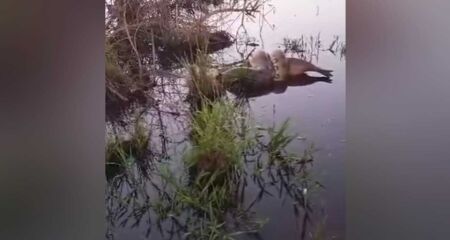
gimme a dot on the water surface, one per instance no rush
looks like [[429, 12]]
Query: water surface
[[317, 111]]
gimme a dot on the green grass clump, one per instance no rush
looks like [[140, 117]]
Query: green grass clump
[[202, 206], [203, 80], [216, 142], [205, 203], [279, 139], [120, 154]]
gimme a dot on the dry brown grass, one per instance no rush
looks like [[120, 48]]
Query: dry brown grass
[[144, 37]]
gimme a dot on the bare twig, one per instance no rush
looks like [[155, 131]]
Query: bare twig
[[132, 42], [113, 91]]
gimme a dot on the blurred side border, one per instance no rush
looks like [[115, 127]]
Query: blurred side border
[[52, 120]]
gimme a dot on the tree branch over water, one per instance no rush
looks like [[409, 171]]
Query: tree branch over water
[[248, 8]]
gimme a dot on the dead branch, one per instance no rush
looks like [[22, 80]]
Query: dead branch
[[132, 43], [226, 10], [116, 93]]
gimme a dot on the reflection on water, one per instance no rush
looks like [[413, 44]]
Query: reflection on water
[[152, 197], [149, 193], [267, 86]]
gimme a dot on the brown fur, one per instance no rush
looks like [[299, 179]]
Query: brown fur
[[260, 60], [288, 67]]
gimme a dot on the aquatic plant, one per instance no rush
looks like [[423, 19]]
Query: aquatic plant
[[203, 202], [202, 80], [228, 152], [145, 36], [215, 137], [204, 207], [309, 47], [236, 74], [122, 153], [279, 140]]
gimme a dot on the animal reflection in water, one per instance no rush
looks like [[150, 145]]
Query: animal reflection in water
[[271, 74], [261, 88]]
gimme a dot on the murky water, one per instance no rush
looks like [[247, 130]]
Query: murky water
[[316, 112]]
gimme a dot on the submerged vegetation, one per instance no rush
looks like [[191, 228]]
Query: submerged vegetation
[[122, 153], [309, 47], [211, 196]]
